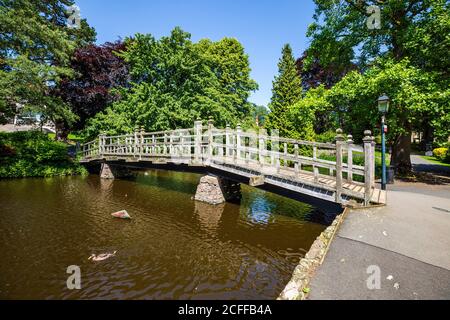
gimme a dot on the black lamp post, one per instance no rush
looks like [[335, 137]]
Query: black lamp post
[[383, 108]]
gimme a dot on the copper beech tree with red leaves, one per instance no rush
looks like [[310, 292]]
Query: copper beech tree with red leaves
[[99, 70], [316, 74]]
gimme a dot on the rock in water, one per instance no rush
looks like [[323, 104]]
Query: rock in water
[[121, 215]]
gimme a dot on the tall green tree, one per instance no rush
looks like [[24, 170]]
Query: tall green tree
[[414, 94], [303, 114], [286, 91], [35, 50], [416, 30], [175, 81], [231, 66]]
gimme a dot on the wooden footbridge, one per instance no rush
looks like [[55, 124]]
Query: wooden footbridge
[[258, 158]]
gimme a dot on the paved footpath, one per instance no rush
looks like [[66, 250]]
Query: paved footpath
[[409, 240]]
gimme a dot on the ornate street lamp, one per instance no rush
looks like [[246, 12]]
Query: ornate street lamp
[[383, 108], [383, 104]]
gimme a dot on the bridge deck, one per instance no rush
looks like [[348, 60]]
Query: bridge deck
[[303, 181], [293, 165]]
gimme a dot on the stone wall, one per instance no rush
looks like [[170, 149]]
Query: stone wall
[[298, 286]]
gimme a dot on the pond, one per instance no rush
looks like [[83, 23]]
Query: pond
[[173, 248]]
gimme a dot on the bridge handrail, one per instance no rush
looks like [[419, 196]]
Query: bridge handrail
[[204, 143]]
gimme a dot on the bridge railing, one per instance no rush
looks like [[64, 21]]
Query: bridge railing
[[329, 164]]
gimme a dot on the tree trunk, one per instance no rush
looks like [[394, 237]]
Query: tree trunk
[[401, 154], [428, 136], [62, 131]]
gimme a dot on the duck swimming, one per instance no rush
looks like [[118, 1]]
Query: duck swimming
[[102, 256]]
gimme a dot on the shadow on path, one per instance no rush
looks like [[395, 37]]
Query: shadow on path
[[422, 165]]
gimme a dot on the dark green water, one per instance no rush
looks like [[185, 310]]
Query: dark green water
[[174, 248]]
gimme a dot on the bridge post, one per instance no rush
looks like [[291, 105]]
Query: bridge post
[[183, 144], [339, 143], [165, 144], [297, 165], [101, 144], [136, 142], [349, 158], [262, 147], [373, 162], [315, 169], [198, 128], [171, 146], [238, 142], [141, 142], [221, 149], [227, 141], [275, 149], [368, 164], [153, 149], [210, 138]]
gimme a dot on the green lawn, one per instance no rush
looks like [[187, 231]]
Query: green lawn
[[72, 137], [377, 156], [436, 161]]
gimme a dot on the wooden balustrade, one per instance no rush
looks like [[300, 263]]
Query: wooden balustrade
[[203, 145]]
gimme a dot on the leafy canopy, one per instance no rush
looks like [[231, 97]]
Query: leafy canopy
[[98, 70], [35, 50], [406, 59], [175, 81]]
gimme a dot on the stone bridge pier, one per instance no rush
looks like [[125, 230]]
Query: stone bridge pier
[[216, 190], [109, 171]]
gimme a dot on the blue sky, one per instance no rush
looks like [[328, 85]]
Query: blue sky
[[262, 26]]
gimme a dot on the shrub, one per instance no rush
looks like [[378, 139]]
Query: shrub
[[33, 154], [447, 156], [441, 153], [328, 136]]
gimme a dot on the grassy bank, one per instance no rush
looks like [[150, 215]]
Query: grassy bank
[[435, 160], [72, 138], [34, 154]]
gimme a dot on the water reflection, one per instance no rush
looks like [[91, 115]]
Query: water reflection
[[172, 248], [209, 216]]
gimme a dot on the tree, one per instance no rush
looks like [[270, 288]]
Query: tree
[[413, 29], [305, 114], [286, 91], [98, 70], [175, 82], [35, 49], [230, 65], [314, 74], [413, 92], [26, 83]]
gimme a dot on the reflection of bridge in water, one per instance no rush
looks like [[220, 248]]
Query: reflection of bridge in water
[[287, 166]]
